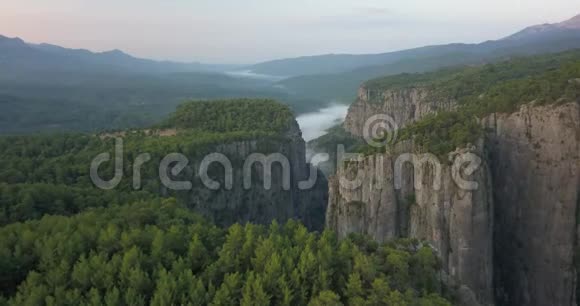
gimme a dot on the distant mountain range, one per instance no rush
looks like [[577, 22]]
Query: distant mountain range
[[560, 36], [20, 57], [48, 87], [22, 60], [571, 25], [341, 85]]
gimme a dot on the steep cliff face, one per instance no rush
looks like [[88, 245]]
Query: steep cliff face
[[414, 201], [403, 105], [367, 206], [513, 240], [259, 203], [535, 163]]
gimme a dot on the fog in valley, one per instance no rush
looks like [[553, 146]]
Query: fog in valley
[[315, 124]]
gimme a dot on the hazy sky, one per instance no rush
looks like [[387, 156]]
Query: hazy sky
[[245, 31]]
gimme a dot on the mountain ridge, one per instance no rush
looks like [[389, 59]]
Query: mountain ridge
[[572, 24], [341, 86], [339, 63], [19, 54], [298, 66]]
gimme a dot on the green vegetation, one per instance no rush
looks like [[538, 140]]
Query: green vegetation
[[157, 253], [65, 242], [442, 133], [499, 87], [21, 202], [96, 103], [459, 82], [49, 174], [65, 159], [480, 91], [247, 115]]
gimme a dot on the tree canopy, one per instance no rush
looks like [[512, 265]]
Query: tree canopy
[[159, 253], [479, 91]]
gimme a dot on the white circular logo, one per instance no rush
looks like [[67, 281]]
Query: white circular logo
[[380, 130]]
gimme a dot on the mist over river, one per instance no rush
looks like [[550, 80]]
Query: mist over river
[[315, 124]]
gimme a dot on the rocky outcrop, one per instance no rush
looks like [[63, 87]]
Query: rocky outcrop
[[535, 163], [403, 105], [259, 203], [385, 198]]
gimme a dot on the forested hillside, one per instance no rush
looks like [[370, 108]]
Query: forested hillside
[[72, 102], [65, 242], [154, 252], [49, 174], [494, 88], [478, 91]]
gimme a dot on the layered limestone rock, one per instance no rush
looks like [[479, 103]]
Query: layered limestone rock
[[535, 163], [526, 209], [257, 202], [390, 195], [403, 105], [368, 207]]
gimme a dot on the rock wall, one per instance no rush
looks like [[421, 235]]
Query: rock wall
[[369, 207], [403, 105], [512, 241], [535, 161], [457, 223], [259, 204]]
